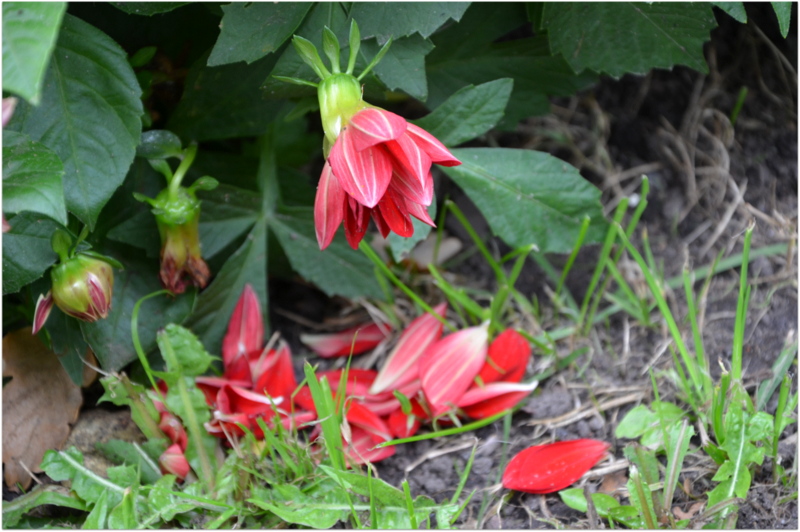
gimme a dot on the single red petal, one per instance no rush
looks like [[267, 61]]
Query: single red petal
[[450, 366], [173, 462], [245, 330], [356, 222], [401, 366], [484, 401], [507, 358], [411, 188], [361, 448], [364, 175], [43, 307], [328, 207], [419, 212], [355, 339], [236, 400], [432, 146], [238, 369], [393, 211], [173, 429], [409, 160], [361, 416], [276, 375], [552, 467], [380, 223], [373, 126], [406, 425]]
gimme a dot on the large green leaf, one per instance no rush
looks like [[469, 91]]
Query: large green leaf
[[398, 19], [465, 54], [29, 34], [529, 197], [227, 213], [110, 339], [621, 37], [403, 66], [32, 178], [734, 9], [783, 10], [251, 30], [89, 115], [247, 265], [470, 112], [224, 102], [147, 9], [339, 270], [26, 250]]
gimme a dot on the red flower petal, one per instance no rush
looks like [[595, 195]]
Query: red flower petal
[[174, 462], [411, 188], [364, 175], [356, 222], [483, 401], [431, 145], [328, 207], [393, 211], [552, 467], [419, 212], [356, 339], [361, 416], [361, 448], [274, 375], [373, 126], [245, 330], [358, 380], [236, 400], [173, 429], [405, 426], [401, 365], [507, 358], [409, 160]]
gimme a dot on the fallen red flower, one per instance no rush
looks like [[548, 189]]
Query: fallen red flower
[[552, 467], [480, 402], [355, 340], [507, 358]]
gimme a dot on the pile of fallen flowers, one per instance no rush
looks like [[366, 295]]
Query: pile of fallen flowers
[[426, 378]]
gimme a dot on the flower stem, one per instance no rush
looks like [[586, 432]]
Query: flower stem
[[188, 158]]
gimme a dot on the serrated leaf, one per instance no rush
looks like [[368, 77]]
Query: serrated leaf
[[403, 66], [32, 178], [399, 19], [89, 115], [529, 197], [214, 108], [471, 111], [147, 9], [251, 30], [29, 35], [110, 339], [68, 465], [734, 9], [189, 354], [26, 250], [338, 270], [629, 37], [783, 10], [215, 305]]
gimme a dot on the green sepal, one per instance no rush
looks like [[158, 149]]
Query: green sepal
[[138, 196], [61, 242], [296, 81], [142, 56], [355, 45], [162, 167], [204, 183], [105, 258], [310, 56], [376, 59], [330, 45]]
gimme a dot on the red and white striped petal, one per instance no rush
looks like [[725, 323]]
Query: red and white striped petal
[[420, 212], [361, 448], [361, 416], [43, 307], [450, 365], [431, 145], [374, 126], [328, 207], [393, 211], [363, 174], [401, 365], [356, 340], [483, 401], [245, 330], [236, 400], [410, 188], [409, 159]]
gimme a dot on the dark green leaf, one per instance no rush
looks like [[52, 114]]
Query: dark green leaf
[[289, 503], [123, 516], [192, 359], [226, 214], [32, 178], [470, 112], [403, 66], [110, 338], [630, 37], [339, 270], [212, 107], [159, 144], [141, 231], [399, 19], [147, 9], [89, 115], [40, 495], [68, 465], [783, 10], [68, 343], [529, 197], [252, 30], [143, 456], [26, 250], [29, 34], [215, 305], [734, 9]]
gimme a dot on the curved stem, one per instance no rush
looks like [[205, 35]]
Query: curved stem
[[188, 158]]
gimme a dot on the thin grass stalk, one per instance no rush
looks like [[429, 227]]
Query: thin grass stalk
[[699, 349], [741, 309], [571, 260], [498, 271]]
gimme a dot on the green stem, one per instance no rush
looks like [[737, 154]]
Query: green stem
[[447, 432], [571, 260], [498, 271], [137, 345], [741, 310], [188, 158], [370, 253]]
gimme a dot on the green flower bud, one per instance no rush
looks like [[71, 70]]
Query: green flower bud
[[82, 287]]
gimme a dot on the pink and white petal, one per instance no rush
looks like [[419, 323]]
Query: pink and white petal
[[361, 416], [483, 401], [361, 448], [420, 212], [373, 126], [401, 365], [450, 366], [328, 207], [245, 329], [174, 462], [408, 158], [411, 189], [236, 400], [432, 146], [355, 339], [43, 307], [364, 174], [393, 211]]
